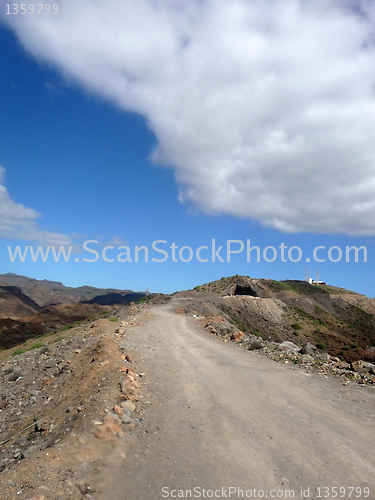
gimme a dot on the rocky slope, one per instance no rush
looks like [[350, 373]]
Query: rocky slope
[[48, 320], [65, 405], [340, 322]]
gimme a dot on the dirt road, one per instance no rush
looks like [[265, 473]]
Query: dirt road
[[220, 416]]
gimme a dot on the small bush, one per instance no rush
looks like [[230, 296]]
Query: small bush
[[321, 345], [296, 333], [66, 327], [17, 352], [296, 326], [38, 345], [255, 332], [113, 318], [346, 348], [255, 345]]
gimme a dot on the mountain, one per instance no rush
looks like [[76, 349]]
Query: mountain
[[14, 304], [45, 293], [339, 321]]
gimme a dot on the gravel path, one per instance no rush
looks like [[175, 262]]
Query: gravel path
[[219, 416]]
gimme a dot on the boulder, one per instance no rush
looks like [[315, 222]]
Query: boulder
[[308, 348], [361, 366], [289, 347], [237, 336]]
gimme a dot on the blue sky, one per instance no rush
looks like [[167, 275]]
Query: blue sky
[[156, 129]]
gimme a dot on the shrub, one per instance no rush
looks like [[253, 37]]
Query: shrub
[[113, 318], [321, 345], [17, 352], [255, 345], [296, 326], [66, 327], [255, 332], [38, 345]]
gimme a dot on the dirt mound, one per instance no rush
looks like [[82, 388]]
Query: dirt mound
[[66, 409]]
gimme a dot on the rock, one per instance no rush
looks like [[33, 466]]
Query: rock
[[15, 375], [125, 419], [342, 365], [38, 497], [3, 464], [3, 404], [237, 336], [129, 359], [118, 411], [128, 405], [132, 381], [129, 391], [289, 347], [361, 366], [108, 431], [306, 357], [324, 356], [308, 348], [30, 450]]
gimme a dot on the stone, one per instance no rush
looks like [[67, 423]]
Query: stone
[[3, 464], [289, 347], [107, 431], [129, 391], [128, 405], [15, 375], [3, 404], [361, 366], [308, 348], [342, 365], [132, 381], [38, 497], [237, 336], [306, 358], [125, 419], [118, 411]]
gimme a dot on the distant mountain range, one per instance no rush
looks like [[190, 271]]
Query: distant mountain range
[[30, 307], [45, 293]]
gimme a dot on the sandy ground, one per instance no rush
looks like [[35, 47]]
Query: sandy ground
[[219, 416]]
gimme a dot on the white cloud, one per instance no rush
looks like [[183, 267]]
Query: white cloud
[[264, 109], [18, 221]]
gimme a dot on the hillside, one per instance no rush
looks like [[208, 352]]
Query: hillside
[[46, 293], [49, 320], [340, 322], [30, 308], [14, 304]]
